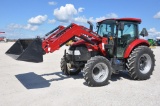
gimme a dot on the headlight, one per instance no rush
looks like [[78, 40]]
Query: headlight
[[70, 52], [77, 52]]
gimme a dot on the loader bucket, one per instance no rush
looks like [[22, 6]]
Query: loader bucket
[[27, 50]]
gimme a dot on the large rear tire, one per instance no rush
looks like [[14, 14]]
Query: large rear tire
[[140, 63], [97, 71], [66, 70]]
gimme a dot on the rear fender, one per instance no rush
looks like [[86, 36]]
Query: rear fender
[[134, 44]]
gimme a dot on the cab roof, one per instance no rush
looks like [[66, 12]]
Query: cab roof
[[123, 19]]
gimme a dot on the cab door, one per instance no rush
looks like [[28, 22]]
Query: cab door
[[125, 37]]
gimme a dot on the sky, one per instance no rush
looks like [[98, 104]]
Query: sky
[[31, 18]]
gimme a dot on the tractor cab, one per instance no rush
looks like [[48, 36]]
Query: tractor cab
[[120, 32]]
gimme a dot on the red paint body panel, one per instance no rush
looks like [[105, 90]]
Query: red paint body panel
[[91, 47], [129, 19], [132, 45], [79, 42], [124, 19]]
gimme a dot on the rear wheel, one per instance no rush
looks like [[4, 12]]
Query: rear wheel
[[67, 69], [141, 63], [97, 71]]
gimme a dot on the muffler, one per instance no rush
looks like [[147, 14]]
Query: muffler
[[27, 50]]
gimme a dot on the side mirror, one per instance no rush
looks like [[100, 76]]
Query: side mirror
[[121, 26], [144, 32], [91, 25]]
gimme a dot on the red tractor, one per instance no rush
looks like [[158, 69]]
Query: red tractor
[[2, 38], [114, 47]]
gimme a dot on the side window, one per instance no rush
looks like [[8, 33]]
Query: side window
[[129, 31]]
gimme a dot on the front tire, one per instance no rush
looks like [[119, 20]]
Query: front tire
[[66, 69], [141, 63], [97, 71]]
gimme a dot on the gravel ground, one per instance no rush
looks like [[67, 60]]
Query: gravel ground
[[43, 84]]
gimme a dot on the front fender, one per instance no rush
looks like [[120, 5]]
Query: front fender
[[134, 44]]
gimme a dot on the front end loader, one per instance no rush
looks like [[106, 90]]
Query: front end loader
[[32, 50], [115, 47]]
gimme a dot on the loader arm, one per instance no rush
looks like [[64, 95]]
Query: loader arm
[[53, 32], [68, 33], [49, 35]]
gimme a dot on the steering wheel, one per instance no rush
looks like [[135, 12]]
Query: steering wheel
[[109, 34]]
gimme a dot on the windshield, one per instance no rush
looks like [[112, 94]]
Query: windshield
[[107, 28]]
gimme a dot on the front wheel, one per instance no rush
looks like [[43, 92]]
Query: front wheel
[[67, 69], [141, 63], [97, 71]]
